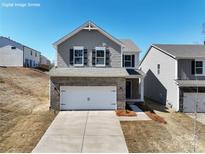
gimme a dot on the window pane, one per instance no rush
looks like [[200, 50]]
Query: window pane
[[199, 63], [127, 57], [100, 53], [128, 64], [78, 53], [78, 60], [199, 70], [100, 61]]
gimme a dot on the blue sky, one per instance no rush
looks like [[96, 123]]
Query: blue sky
[[143, 21]]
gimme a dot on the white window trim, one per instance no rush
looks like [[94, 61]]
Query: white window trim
[[127, 60], [203, 67], [96, 49], [78, 48]]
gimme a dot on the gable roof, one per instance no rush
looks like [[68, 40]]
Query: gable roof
[[16, 43], [129, 45], [89, 25], [179, 51], [183, 50]]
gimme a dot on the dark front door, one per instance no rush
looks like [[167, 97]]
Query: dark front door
[[128, 89]]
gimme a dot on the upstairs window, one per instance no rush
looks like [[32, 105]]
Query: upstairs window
[[31, 53], [35, 54], [198, 67], [100, 56], [13, 48], [78, 56], [128, 60], [158, 68]]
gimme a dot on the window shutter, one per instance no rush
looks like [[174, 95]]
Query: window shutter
[[193, 67], [93, 57], [123, 60], [85, 57], [71, 56], [107, 57], [133, 60]]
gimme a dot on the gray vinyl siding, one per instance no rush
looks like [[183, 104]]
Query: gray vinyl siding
[[185, 72], [89, 40], [27, 55]]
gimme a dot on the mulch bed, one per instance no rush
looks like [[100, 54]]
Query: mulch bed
[[150, 113], [125, 113]]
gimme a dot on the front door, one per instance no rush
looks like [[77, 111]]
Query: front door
[[128, 89]]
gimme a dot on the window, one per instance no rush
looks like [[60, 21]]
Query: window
[[31, 53], [13, 48], [35, 54], [100, 56], [158, 68], [128, 60], [199, 67], [78, 56]]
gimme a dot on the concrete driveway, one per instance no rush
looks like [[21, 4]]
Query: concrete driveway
[[83, 131], [200, 117]]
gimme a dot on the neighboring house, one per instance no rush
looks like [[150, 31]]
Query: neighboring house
[[94, 70], [15, 54], [173, 73], [44, 63]]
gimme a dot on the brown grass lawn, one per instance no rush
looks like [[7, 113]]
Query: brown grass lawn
[[24, 108], [175, 136]]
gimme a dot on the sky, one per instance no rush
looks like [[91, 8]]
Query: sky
[[39, 23]]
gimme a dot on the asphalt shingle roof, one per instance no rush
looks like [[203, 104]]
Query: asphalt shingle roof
[[129, 45], [183, 51], [92, 72]]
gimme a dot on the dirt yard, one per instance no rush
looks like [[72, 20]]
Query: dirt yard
[[175, 136], [24, 108]]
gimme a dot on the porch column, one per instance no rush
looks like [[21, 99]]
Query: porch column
[[141, 82]]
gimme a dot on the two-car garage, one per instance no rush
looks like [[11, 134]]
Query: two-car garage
[[88, 97]]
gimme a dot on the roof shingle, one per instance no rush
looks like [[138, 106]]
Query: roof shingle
[[129, 45], [183, 51], [92, 72]]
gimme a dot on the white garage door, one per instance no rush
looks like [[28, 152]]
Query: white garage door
[[87, 97], [189, 102]]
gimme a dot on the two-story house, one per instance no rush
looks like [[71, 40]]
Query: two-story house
[[94, 70], [13, 53], [175, 76]]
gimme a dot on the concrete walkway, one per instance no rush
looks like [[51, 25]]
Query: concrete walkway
[[140, 115], [83, 131]]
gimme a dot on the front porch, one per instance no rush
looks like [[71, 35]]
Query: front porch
[[135, 89]]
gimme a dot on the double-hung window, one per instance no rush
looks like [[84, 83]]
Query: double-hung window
[[78, 56], [198, 67], [100, 56], [128, 60]]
